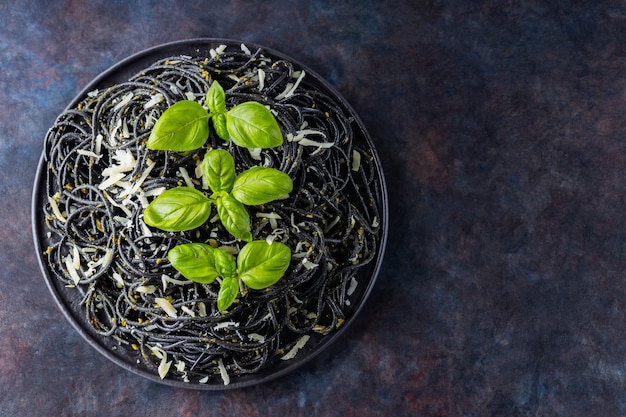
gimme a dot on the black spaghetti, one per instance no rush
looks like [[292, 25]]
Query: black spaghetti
[[100, 177]]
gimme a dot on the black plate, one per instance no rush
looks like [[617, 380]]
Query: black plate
[[69, 299]]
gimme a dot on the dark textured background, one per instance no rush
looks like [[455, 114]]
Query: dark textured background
[[501, 126]]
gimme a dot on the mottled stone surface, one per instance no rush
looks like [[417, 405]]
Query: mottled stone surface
[[502, 130]]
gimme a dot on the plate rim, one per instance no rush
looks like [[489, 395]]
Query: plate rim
[[132, 61]]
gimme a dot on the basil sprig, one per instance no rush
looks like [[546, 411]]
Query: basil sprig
[[185, 208], [184, 126], [259, 265]]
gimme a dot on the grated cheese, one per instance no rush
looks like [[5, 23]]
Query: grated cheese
[[146, 289], [154, 192], [125, 100], [255, 337], [142, 199], [98, 146], [302, 133], [223, 372], [320, 145], [69, 264], [225, 324], [165, 279], [125, 132], [375, 222], [118, 280], [154, 100], [114, 178], [255, 153], [261, 75], [183, 173], [55, 209], [125, 162], [188, 311], [271, 217], [150, 120], [356, 160], [296, 347], [166, 306], [308, 264], [118, 205], [125, 158], [284, 93], [106, 259], [123, 221], [88, 153], [290, 88], [174, 89], [352, 287], [75, 257], [141, 179], [215, 53], [202, 309], [301, 138], [159, 353], [165, 365], [294, 225], [113, 132], [115, 169]]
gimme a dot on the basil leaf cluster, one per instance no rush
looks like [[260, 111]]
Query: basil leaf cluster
[[184, 126], [185, 208], [259, 265]]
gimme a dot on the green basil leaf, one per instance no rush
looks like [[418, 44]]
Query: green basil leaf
[[261, 265], [219, 124], [182, 127], [218, 167], [234, 217], [225, 263], [260, 185], [178, 209], [196, 261], [227, 293], [252, 125], [216, 98]]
